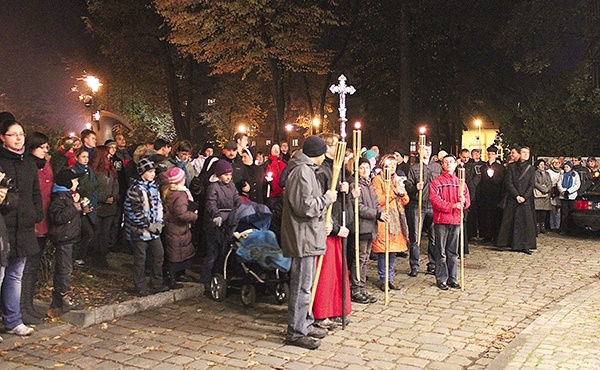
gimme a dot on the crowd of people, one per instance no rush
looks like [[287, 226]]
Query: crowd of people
[[165, 204]]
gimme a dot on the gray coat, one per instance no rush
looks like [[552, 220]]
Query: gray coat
[[369, 209], [543, 184], [304, 207]]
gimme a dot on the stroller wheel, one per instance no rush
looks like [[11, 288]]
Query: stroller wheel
[[218, 288], [282, 292], [248, 294]]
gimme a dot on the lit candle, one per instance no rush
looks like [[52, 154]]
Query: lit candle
[[490, 172], [269, 178]]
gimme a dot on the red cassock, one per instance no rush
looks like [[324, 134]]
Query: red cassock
[[328, 298]]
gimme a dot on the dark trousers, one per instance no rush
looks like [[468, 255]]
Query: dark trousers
[[472, 220], [566, 207], [489, 222], [87, 233], [140, 248], [214, 246], [446, 252], [63, 267], [413, 226], [101, 240]]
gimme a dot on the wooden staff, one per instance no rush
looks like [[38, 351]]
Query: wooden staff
[[338, 161], [357, 144], [461, 191], [421, 156], [387, 176]]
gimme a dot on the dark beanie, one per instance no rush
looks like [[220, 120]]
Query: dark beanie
[[362, 160], [223, 167], [314, 146], [64, 177]]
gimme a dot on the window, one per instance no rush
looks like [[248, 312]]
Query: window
[[268, 142], [294, 142]]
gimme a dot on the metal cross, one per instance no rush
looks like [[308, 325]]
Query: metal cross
[[342, 89]]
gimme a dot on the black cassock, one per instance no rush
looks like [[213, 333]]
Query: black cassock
[[518, 229], [489, 195]]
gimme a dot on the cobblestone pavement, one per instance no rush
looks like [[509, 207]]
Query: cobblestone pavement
[[517, 311]]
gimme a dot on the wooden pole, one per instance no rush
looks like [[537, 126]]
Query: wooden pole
[[357, 145], [387, 176], [421, 160], [461, 191]]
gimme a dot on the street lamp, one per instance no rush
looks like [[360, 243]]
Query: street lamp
[[242, 128], [316, 122], [288, 129], [478, 124], [94, 84]]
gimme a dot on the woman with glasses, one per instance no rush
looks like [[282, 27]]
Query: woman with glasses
[[22, 209]]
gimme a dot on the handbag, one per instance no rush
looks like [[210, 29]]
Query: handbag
[[538, 194]]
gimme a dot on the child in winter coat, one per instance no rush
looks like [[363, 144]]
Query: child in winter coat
[[221, 198], [143, 225], [180, 213], [369, 212], [64, 218]]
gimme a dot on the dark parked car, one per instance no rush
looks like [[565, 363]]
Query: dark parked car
[[586, 214]]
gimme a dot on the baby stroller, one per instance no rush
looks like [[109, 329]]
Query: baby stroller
[[252, 260]]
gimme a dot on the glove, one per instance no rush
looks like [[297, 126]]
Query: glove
[[192, 206], [155, 228], [566, 194], [218, 221]]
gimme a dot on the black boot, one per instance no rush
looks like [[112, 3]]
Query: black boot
[[542, 228], [170, 280], [29, 315]]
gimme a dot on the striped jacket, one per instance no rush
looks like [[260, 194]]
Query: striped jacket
[[142, 208]]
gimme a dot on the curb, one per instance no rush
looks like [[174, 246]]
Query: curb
[[97, 315]]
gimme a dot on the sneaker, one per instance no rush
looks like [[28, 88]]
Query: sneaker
[[325, 324], [21, 330], [317, 332], [80, 264], [304, 342]]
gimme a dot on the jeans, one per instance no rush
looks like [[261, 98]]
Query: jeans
[[214, 248], [63, 267], [446, 252], [555, 218], [87, 233], [413, 223], [140, 248], [302, 274], [101, 239], [10, 292], [381, 266], [566, 207]]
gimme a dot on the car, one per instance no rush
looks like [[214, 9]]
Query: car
[[586, 213]]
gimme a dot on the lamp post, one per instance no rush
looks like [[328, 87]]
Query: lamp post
[[94, 84], [316, 122], [478, 124], [288, 129]]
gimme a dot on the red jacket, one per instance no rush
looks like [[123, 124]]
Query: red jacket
[[443, 193], [46, 179], [275, 167]]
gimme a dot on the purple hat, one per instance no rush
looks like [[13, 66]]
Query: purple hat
[[223, 167]]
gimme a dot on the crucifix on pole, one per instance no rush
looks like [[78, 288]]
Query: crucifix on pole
[[342, 89]]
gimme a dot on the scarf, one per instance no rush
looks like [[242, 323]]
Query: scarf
[[177, 187], [39, 162], [567, 180]]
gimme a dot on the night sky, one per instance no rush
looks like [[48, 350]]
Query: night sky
[[44, 47]]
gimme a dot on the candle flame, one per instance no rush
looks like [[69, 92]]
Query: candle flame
[[422, 130]]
